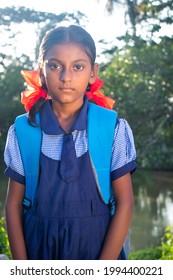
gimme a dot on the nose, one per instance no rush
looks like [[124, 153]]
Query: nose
[[66, 75]]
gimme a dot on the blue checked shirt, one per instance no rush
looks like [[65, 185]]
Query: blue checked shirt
[[123, 150]]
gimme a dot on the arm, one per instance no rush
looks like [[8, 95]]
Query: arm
[[14, 219], [120, 223]]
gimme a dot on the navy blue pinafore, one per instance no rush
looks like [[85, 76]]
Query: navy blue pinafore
[[68, 220]]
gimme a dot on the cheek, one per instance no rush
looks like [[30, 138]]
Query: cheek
[[52, 82], [50, 78]]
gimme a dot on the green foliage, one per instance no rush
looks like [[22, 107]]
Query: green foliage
[[21, 14], [148, 15], [139, 78], [146, 254], [4, 244], [167, 244], [11, 85], [36, 20], [163, 252]]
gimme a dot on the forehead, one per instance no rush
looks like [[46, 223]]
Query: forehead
[[66, 51]]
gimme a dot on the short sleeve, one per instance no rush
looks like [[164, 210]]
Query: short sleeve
[[12, 158], [123, 151]]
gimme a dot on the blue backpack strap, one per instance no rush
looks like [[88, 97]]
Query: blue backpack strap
[[29, 139], [101, 126]]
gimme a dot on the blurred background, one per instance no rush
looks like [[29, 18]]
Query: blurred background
[[134, 41]]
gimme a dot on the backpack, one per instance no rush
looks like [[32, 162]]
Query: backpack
[[100, 129]]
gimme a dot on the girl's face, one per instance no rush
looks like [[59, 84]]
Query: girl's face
[[67, 71]]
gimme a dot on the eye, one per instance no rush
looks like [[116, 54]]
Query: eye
[[54, 66], [78, 67]]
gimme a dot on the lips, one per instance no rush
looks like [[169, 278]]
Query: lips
[[65, 89]]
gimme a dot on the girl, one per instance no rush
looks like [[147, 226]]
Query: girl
[[68, 218]]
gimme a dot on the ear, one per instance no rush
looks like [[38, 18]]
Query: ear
[[42, 77], [94, 73]]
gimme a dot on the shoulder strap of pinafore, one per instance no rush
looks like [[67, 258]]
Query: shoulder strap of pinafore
[[29, 139], [101, 127]]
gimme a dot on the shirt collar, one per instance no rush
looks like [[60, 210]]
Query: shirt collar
[[49, 122]]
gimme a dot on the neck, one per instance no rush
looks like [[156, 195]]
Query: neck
[[66, 114]]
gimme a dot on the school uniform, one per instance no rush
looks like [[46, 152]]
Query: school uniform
[[68, 219]]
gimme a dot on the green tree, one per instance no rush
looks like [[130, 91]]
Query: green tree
[[140, 79], [12, 18], [11, 85], [4, 243], [139, 14], [167, 244]]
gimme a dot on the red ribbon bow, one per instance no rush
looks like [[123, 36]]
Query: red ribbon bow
[[30, 96], [98, 97]]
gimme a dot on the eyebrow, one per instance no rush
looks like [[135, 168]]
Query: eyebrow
[[57, 60]]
